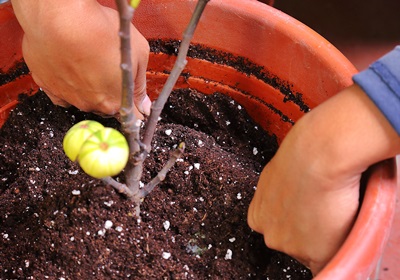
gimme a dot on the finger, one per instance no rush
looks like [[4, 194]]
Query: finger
[[137, 113], [142, 102], [141, 99], [55, 100], [252, 216], [105, 116]]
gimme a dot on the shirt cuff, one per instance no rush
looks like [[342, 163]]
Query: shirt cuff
[[381, 82]]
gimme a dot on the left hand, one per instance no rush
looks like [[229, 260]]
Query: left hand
[[307, 196]]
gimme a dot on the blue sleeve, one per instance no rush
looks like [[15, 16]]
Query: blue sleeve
[[381, 82]]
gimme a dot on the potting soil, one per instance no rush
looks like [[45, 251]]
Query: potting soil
[[56, 222]]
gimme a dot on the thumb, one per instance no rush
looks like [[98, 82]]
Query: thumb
[[141, 99]]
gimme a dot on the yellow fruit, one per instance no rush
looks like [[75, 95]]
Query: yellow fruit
[[105, 153], [77, 135]]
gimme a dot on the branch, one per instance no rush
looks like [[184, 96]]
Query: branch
[[163, 172], [130, 123], [121, 188], [179, 65]]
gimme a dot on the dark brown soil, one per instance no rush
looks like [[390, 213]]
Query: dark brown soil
[[19, 69], [241, 64], [53, 217]]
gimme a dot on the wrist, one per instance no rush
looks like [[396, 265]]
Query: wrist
[[345, 135]]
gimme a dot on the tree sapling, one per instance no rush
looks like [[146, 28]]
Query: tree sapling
[[93, 151]]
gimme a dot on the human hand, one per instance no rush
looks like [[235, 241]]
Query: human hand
[[307, 196], [73, 52]]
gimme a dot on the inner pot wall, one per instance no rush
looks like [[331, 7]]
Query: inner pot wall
[[294, 69], [299, 64]]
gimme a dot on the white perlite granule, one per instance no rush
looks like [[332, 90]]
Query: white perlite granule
[[76, 192], [166, 225], [166, 255], [168, 132], [108, 224], [228, 255], [255, 151]]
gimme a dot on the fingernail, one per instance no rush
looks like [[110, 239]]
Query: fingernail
[[146, 105]]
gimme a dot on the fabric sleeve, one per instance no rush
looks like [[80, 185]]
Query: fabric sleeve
[[381, 82]]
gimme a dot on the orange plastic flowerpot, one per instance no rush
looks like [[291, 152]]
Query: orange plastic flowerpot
[[14, 79], [292, 69]]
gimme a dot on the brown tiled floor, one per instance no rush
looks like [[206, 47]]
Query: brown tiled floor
[[363, 31]]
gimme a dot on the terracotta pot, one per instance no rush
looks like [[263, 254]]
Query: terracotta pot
[[294, 69]]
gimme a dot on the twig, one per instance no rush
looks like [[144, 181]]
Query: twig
[[121, 188], [130, 123], [175, 155], [179, 65]]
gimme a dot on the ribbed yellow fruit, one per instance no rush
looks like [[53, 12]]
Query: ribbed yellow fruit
[[77, 135], [105, 153]]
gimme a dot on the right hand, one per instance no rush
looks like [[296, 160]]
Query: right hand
[[72, 49]]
